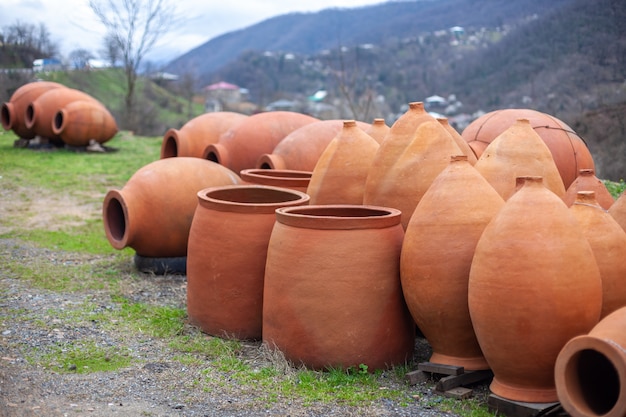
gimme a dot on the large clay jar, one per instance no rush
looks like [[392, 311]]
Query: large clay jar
[[13, 111], [40, 113], [618, 210], [590, 371], [400, 135], [518, 152], [569, 151], [301, 149], [458, 139], [534, 284], [241, 146], [416, 150], [286, 178], [152, 213], [340, 173], [587, 181], [436, 257], [81, 121], [195, 135], [332, 287], [608, 242], [378, 130], [226, 256]]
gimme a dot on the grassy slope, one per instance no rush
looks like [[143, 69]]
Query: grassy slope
[[162, 107]]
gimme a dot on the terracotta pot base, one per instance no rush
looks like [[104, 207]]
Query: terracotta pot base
[[517, 393], [477, 363]]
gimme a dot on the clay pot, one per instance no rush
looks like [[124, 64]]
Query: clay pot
[[590, 371], [195, 135], [13, 111], [332, 288], [569, 151], [618, 210], [416, 150], [152, 213], [458, 139], [81, 121], [534, 284], [242, 145], [378, 130], [301, 149], [340, 173], [587, 181], [400, 135], [226, 257], [608, 242], [286, 178], [41, 112], [436, 257], [518, 152]]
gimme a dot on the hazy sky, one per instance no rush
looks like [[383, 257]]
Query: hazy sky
[[73, 25]]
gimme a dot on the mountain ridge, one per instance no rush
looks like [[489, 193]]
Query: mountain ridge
[[309, 33]]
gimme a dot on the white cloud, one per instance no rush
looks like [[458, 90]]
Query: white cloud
[[73, 25]]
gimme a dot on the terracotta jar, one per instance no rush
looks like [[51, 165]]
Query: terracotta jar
[[534, 284], [618, 210], [152, 213], [608, 242], [286, 178], [301, 149], [436, 257], [569, 151], [518, 152], [242, 145], [458, 139], [332, 288], [13, 111], [378, 130], [587, 181], [40, 113], [416, 150], [590, 371], [340, 173], [81, 121], [400, 135], [195, 135], [228, 243]]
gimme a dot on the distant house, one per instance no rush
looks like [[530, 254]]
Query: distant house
[[47, 64], [222, 95]]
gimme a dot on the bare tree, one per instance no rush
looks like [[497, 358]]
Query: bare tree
[[110, 51], [134, 26], [80, 58]]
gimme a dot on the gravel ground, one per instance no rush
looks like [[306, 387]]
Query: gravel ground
[[33, 321]]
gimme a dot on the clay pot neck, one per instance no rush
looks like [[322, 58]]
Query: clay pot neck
[[115, 215], [218, 153], [169, 147], [6, 115], [339, 216], [250, 198]]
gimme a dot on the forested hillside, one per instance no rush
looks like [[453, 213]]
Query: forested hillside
[[569, 61]]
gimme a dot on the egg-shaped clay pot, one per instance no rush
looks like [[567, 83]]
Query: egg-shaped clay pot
[[241, 146], [195, 135], [569, 151]]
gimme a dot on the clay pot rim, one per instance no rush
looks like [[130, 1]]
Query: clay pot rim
[[290, 177], [214, 198], [607, 348], [339, 216]]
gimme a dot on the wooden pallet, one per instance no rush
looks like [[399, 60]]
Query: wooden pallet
[[453, 379], [511, 408]]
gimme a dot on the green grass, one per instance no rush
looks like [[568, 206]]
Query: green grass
[[84, 357], [615, 188], [63, 177]]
